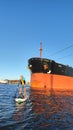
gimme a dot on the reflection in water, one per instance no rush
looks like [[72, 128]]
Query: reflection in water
[[44, 110], [18, 113], [54, 111]]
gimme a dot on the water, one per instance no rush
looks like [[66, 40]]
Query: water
[[43, 110]]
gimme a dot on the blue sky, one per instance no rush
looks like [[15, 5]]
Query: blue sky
[[26, 23]]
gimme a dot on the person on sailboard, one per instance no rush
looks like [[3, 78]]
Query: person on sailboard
[[22, 90]]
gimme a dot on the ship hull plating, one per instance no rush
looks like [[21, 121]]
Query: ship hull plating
[[40, 81], [50, 75]]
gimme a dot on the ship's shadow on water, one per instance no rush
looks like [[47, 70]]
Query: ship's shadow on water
[[43, 110]]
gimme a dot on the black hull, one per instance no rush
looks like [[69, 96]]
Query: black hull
[[43, 65]]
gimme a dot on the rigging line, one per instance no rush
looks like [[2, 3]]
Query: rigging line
[[65, 56], [62, 50]]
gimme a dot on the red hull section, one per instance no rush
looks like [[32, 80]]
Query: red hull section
[[40, 81]]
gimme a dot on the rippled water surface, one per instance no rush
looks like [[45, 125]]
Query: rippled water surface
[[43, 110]]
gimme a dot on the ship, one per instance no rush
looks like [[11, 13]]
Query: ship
[[47, 74]]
